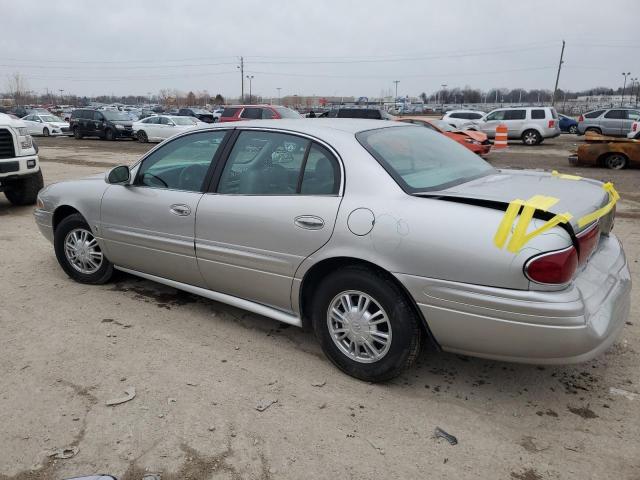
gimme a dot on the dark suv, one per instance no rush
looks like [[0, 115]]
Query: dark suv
[[107, 124], [202, 115], [353, 112]]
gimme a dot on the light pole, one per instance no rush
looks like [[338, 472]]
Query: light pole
[[250, 77], [444, 87], [634, 81], [279, 88], [625, 75], [395, 99]]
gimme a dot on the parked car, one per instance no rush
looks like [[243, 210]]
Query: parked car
[[615, 122], [234, 113], [635, 130], [161, 127], [353, 112], [377, 235], [20, 174], [609, 152], [475, 141], [107, 124], [46, 124], [202, 115], [568, 124], [459, 118], [532, 125]]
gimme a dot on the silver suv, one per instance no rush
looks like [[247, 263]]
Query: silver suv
[[529, 124], [611, 121]]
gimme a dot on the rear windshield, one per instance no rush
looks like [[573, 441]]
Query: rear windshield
[[229, 112], [287, 112], [421, 160]]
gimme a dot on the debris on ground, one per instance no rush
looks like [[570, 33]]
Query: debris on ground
[[171, 400], [530, 444], [447, 436], [623, 393], [379, 449], [65, 453], [130, 393], [192, 384], [319, 384], [264, 404]]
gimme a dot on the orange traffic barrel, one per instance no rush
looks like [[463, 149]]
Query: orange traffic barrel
[[500, 140]]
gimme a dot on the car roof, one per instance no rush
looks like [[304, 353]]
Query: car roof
[[319, 127]]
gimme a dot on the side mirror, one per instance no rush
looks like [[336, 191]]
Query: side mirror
[[119, 175]]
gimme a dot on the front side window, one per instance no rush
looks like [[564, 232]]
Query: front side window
[[633, 115], [181, 164], [151, 120], [97, 116], [267, 114], [497, 115], [263, 163], [421, 160]]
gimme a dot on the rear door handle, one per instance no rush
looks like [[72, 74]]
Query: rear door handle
[[309, 222], [180, 209]]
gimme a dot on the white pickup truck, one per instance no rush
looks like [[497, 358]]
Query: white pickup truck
[[20, 174]]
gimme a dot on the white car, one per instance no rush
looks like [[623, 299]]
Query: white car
[[161, 127], [460, 118], [635, 130], [45, 124]]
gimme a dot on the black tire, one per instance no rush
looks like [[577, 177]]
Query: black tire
[[25, 191], [404, 323], [76, 133], [573, 129], [109, 135], [531, 137], [142, 136], [593, 130], [68, 224], [615, 161], [45, 131]]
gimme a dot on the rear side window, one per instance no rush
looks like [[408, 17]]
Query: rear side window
[[616, 114], [595, 114], [321, 173], [267, 114], [515, 114], [537, 114], [251, 113], [230, 112]]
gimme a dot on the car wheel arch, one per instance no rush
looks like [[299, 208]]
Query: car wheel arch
[[62, 212], [314, 275]]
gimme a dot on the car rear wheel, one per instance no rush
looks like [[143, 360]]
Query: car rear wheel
[[615, 161], [531, 137], [573, 129], [25, 191], [79, 253], [109, 135], [365, 324], [142, 137], [76, 133], [45, 131]]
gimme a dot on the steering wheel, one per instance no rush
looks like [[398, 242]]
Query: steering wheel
[[191, 177]]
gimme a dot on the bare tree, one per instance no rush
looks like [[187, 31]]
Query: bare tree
[[17, 87]]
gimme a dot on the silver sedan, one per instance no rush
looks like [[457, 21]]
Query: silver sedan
[[377, 235]]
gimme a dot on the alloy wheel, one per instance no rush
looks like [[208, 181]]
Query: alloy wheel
[[82, 251], [616, 161], [530, 138], [359, 326]]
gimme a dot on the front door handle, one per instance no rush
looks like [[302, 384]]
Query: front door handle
[[310, 222], [180, 209]]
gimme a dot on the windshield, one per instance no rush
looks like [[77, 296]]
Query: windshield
[[50, 118], [183, 120], [287, 112], [112, 115], [420, 159]]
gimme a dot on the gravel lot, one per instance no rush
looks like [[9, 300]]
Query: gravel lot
[[200, 369]]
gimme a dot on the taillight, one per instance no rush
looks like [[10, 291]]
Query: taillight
[[634, 127], [587, 242], [581, 118], [554, 268], [552, 123]]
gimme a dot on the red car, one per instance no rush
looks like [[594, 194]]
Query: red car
[[235, 113], [477, 142]]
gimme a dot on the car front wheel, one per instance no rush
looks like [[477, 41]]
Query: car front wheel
[[573, 129], [79, 253], [365, 324]]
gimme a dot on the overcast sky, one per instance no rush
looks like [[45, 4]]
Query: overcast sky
[[323, 47]]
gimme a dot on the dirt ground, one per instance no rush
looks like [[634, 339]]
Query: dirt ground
[[200, 369]]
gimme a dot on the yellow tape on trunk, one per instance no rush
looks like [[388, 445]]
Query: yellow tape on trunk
[[601, 212], [565, 176], [520, 236]]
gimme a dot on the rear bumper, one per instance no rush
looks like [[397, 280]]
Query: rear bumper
[[555, 327]]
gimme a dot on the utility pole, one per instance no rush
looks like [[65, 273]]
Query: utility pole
[[241, 67], [444, 87], [625, 75], [395, 99], [555, 89], [250, 77], [279, 88]]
